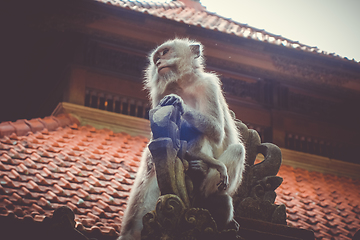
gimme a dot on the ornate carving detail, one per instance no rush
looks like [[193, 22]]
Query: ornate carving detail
[[256, 195], [311, 105], [172, 220], [285, 75], [114, 102], [100, 56], [238, 68], [311, 71], [170, 171], [241, 88], [291, 101]]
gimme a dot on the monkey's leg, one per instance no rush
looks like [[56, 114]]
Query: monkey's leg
[[142, 200], [212, 163], [234, 159]]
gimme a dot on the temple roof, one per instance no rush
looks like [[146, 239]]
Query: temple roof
[[89, 170], [324, 203], [92, 170], [184, 11]]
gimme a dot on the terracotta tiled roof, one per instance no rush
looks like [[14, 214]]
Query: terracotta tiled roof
[[91, 171], [180, 12], [23, 126], [326, 204]]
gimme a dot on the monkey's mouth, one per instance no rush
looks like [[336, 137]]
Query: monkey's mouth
[[161, 68]]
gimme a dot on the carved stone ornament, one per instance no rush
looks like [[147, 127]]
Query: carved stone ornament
[[256, 195], [175, 216], [172, 220]]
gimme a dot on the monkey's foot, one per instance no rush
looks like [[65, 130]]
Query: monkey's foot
[[233, 224], [224, 182]]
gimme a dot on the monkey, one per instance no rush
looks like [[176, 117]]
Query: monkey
[[195, 139], [176, 76]]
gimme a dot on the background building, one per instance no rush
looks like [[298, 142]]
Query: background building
[[89, 56]]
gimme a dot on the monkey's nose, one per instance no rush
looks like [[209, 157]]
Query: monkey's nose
[[158, 62]]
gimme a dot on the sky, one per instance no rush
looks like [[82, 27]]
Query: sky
[[331, 25]]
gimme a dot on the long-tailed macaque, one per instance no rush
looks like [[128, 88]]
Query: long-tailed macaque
[[176, 75]]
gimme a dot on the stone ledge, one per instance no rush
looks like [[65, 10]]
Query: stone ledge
[[103, 119]]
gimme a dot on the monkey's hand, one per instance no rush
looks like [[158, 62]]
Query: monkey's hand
[[214, 182], [175, 100], [199, 165], [178, 104], [224, 178], [224, 183]]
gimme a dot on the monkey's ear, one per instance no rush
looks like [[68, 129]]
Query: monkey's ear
[[195, 49]]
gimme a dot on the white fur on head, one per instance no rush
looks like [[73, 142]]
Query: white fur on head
[[186, 64]]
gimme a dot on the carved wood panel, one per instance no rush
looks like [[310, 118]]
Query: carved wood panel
[[317, 74], [241, 89], [106, 57], [113, 102], [312, 106]]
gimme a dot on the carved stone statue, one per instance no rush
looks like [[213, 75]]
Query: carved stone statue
[[256, 195], [175, 216]]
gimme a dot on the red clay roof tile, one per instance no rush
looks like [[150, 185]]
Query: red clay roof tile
[[35, 124], [48, 169], [327, 201], [92, 183], [6, 129]]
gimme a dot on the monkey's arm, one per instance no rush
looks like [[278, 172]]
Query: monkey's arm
[[208, 117], [209, 125]]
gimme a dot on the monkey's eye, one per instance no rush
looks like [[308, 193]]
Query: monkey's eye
[[165, 51], [156, 58]]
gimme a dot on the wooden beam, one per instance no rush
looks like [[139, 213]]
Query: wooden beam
[[103, 119]]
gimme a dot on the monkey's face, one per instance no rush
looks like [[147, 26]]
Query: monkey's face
[[164, 60], [175, 61]]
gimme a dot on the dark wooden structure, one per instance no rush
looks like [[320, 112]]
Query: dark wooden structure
[[93, 54]]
